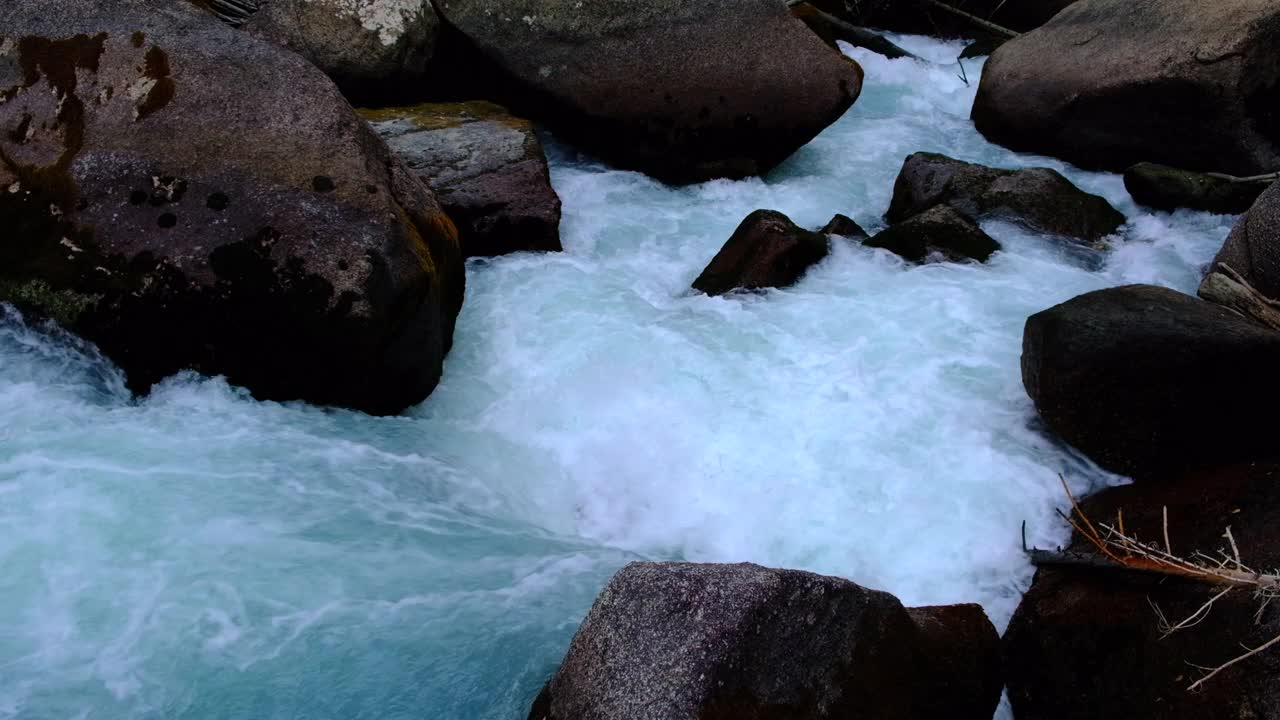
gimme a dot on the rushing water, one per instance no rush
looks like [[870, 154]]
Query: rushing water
[[197, 554]]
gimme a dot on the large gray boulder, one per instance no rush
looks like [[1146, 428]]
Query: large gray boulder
[[683, 641], [371, 48], [1253, 248], [684, 91], [1108, 84], [188, 196], [1151, 383], [1040, 199], [487, 168]]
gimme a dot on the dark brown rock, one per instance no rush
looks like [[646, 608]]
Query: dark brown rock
[[661, 86], [940, 231], [766, 251], [844, 226], [681, 641], [1110, 84], [1085, 642], [1165, 188], [486, 167], [1150, 382], [1038, 198], [187, 196], [1253, 247]]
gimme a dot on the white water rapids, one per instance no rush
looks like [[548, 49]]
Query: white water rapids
[[196, 554]]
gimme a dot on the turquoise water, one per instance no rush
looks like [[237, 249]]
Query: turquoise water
[[197, 554]]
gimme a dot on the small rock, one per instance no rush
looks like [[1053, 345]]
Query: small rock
[[683, 641], [766, 251], [1149, 382], [1253, 247], [1038, 198], [844, 226], [486, 167], [941, 231], [1166, 188]]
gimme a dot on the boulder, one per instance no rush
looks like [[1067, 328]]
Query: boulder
[[189, 196], [833, 31], [684, 91], [1086, 642], [1109, 84], [845, 227], [1037, 198], [940, 232], [766, 251], [682, 641], [1253, 247], [1166, 188], [486, 167], [1149, 382], [373, 49]]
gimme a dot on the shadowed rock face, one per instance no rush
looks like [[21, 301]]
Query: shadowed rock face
[[187, 196], [684, 91], [939, 231], [1253, 247], [1086, 643], [1150, 382], [912, 16], [1166, 188], [682, 641], [766, 251], [486, 167], [1107, 84], [1037, 198]]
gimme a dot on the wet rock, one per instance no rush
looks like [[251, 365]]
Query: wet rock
[[373, 49], [1037, 198], [844, 226], [766, 251], [939, 232], [1110, 84], [1150, 382], [185, 195], [661, 86], [1086, 642], [1165, 188], [486, 167], [1253, 247], [833, 30], [681, 641]]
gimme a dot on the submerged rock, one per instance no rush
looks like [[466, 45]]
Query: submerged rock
[[1166, 188], [371, 48], [1109, 84], [1037, 198], [939, 231], [1148, 382], [1087, 643], [844, 226], [486, 167], [185, 195], [682, 641], [662, 86], [1253, 247], [766, 251]]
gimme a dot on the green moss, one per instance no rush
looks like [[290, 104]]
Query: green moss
[[439, 116], [63, 306]]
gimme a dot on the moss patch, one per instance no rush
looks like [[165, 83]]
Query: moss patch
[[63, 306], [440, 116]]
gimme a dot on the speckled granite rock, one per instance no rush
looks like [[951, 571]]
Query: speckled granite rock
[[487, 168], [683, 641]]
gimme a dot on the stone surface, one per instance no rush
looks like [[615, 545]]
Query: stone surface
[[1165, 188], [1086, 643], [939, 232], [1149, 382], [187, 196], [684, 91], [844, 226], [486, 167], [911, 16], [682, 641], [766, 251], [1037, 198], [1253, 247], [1108, 84]]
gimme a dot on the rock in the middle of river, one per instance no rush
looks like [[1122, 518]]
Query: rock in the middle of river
[[684, 91], [766, 251]]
